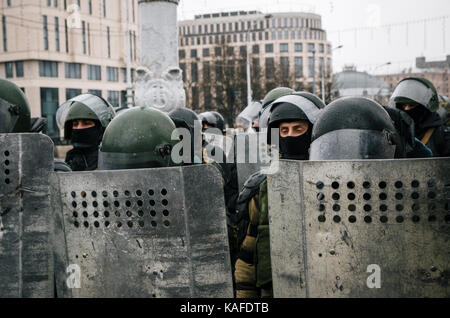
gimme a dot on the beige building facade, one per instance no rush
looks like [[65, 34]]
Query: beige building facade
[[292, 45], [54, 54]]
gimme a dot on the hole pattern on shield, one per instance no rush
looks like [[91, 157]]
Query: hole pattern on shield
[[125, 210], [382, 202]]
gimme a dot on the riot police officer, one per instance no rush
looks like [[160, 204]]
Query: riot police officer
[[354, 128], [294, 116], [275, 94], [419, 99], [84, 119], [15, 116], [148, 144]]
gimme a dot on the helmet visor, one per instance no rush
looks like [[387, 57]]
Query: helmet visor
[[412, 90], [352, 144], [102, 109]]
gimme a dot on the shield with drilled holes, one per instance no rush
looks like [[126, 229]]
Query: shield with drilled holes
[[142, 233], [360, 228]]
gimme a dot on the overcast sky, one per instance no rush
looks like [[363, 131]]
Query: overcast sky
[[362, 27]]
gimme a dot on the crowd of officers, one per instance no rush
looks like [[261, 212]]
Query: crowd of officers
[[413, 125]]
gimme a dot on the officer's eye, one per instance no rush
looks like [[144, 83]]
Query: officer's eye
[[75, 123]]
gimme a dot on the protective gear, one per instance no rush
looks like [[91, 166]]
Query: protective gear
[[287, 109], [14, 109], [147, 145], [186, 118], [84, 106], [246, 118], [275, 94], [417, 90], [87, 138], [213, 119], [313, 98], [354, 128], [82, 159], [429, 125]]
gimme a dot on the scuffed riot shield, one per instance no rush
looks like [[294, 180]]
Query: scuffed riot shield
[[360, 229], [26, 257], [142, 233]]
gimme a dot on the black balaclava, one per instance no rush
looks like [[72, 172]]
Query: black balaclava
[[87, 138], [296, 148], [418, 114]]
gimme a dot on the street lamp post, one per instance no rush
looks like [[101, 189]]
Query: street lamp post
[[323, 73], [314, 70]]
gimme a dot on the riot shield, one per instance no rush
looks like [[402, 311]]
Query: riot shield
[[142, 233], [360, 228], [26, 257], [247, 154]]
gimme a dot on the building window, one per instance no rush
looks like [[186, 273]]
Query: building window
[[205, 52], [255, 49], [5, 37], [194, 72], [284, 63], [57, 33], [321, 48], [230, 51], [270, 68], [311, 66], [243, 50], [298, 67], [72, 92], [108, 36], [269, 48], [193, 53], [48, 69], [9, 69], [195, 97], [113, 98], [104, 8], [218, 51], [95, 92], [311, 47], [181, 54], [298, 47], [45, 32], [206, 72], [66, 35], [112, 74], [83, 31], [73, 70], [284, 47], [49, 106], [94, 72], [90, 6], [19, 69]]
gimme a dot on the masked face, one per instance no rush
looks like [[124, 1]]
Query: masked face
[[295, 140], [86, 134], [415, 111]]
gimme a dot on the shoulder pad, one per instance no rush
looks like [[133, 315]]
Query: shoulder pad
[[251, 186], [61, 166]]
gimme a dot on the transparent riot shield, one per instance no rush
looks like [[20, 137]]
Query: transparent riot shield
[[360, 228], [142, 233], [26, 257]]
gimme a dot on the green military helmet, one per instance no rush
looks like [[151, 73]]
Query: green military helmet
[[418, 90], [140, 137], [275, 94], [14, 109], [84, 106]]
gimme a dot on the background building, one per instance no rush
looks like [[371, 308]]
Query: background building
[[285, 49], [435, 71], [350, 82], [53, 62]]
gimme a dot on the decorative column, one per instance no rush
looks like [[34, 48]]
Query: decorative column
[[159, 81]]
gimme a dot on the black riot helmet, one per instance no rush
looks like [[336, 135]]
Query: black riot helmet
[[213, 119], [184, 118], [292, 108], [354, 128]]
